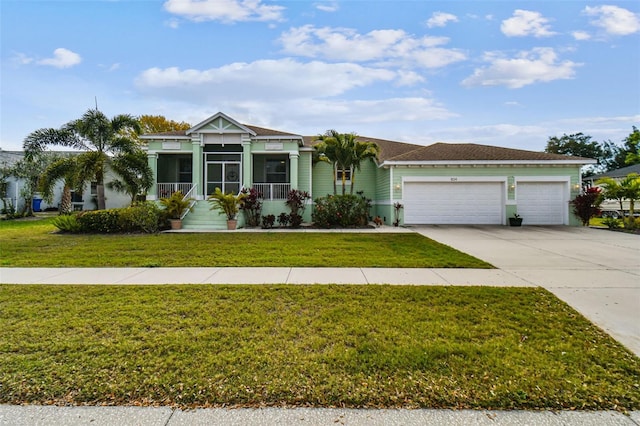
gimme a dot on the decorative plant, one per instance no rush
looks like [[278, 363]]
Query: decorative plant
[[251, 206], [296, 201], [283, 219], [396, 213], [585, 206], [228, 203], [268, 221], [176, 204]]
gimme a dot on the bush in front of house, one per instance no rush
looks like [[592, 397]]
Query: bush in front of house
[[346, 211], [144, 217]]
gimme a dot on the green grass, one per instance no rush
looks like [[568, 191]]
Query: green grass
[[36, 244], [324, 346]]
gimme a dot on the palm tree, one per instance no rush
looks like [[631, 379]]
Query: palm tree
[[344, 152], [136, 176], [68, 170], [627, 189], [102, 141]]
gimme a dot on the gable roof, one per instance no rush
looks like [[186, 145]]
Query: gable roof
[[475, 152]]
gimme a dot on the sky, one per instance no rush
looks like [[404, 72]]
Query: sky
[[503, 73]]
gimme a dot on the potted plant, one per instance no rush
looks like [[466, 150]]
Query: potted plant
[[516, 220], [175, 206], [228, 204]]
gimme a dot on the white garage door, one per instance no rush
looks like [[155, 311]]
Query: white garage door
[[453, 203], [541, 203]]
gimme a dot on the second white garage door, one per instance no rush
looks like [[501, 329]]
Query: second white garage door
[[453, 203], [542, 203]]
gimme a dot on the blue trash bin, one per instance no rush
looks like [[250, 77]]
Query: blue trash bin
[[36, 204]]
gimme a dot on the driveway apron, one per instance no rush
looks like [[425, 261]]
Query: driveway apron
[[595, 271]]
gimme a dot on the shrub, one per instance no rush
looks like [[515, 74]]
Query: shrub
[[99, 221], [268, 221], [611, 223], [283, 219], [585, 206], [251, 206], [341, 211], [144, 217], [67, 223]]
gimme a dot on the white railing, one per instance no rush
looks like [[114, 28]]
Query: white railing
[[273, 191], [166, 189], [193, 201]]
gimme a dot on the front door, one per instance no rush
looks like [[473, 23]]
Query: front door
[[224, 175]]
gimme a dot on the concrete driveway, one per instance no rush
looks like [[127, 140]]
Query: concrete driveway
[[595, 271]]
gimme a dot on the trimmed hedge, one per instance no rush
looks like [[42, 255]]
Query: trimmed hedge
[[144, 217]]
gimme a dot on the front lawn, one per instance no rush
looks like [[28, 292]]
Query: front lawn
[[36, 244], [320, 346]]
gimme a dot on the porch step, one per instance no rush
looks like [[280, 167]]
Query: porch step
[[202, 218]]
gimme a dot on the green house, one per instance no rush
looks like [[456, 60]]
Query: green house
[[436, 184]]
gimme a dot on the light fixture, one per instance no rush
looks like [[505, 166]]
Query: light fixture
[[397, 186], [512, 186]]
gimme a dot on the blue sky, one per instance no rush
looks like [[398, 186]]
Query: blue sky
[[505, 73]]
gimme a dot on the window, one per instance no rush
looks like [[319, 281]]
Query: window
[[184, 170], [276, 170], [343, 172], [94, 188]]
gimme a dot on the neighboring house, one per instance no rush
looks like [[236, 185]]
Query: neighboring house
[[612, 208], [84, 201], [436, 184]]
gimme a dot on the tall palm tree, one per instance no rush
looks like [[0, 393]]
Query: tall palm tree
[[101, 140], [344, 152]]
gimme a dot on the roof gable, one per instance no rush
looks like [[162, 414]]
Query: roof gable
[[220, 123]]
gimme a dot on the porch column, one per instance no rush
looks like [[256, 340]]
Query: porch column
[[152, 159], [197, 177], [293, 169], [247, 164]]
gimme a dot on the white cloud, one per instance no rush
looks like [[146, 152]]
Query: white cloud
[[22, 59], [614, 20], [385, 46], [328, 6], [525, 23], [263, 80], [62, 58], [581, 35], [224, 10], [440, 19], [528, 67]]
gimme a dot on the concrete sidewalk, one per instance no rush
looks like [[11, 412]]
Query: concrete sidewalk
[[11, 415]]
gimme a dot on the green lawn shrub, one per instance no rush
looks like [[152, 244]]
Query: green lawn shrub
[[143, 217], [67, 223], [346, 211]]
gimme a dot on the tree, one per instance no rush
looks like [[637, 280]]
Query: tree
[[577, 144], [160, 124], [585, 206], [101, 140], [344, 152], [632, 147], [136, 176], [29, 170], [626, 189], [68, 170]]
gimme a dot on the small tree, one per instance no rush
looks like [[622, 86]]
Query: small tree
[[626, 189], [586, 206]]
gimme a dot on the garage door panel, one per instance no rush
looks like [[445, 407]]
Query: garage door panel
[[453, 203], [542, 203]]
